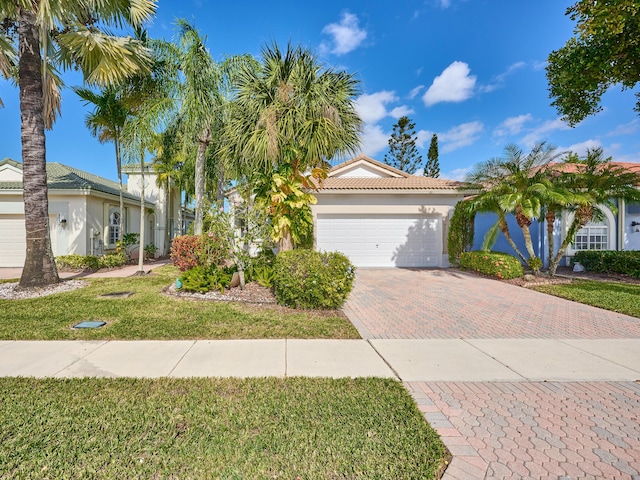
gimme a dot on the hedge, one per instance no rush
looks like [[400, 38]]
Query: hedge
[[495, 264], [610, 261]]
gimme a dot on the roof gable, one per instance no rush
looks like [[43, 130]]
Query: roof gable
[[10, 171], [365, 167]]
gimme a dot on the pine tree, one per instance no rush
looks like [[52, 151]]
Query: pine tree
[[403, 153], [432, 167]]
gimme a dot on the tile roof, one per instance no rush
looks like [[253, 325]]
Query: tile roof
[[63, 177], [412, 182]]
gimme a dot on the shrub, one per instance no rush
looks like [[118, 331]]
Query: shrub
[[75, 262], [150, 250], [461, 231], [309, 279], [190, 251], [202, 279], [112, 260], [610, 261], [186, 251], [496, 264]]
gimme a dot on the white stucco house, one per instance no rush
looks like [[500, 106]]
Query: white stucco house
[[383, 217], [84, 211]]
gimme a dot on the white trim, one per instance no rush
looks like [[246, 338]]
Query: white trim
[[611, 220]]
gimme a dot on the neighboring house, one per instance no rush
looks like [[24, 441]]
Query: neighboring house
[[616, 231], [382, 217], [83, 212]]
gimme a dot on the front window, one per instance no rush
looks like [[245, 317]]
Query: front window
[[592, 237], [114, 228]]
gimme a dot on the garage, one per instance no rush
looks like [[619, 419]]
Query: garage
[[12, 241], [382, 240], [380, 216]]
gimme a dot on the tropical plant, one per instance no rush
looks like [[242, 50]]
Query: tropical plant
[[403, 153], [290, 110], [594, 180], [603, 53], [496, 264], [60, 35], [518, 184], [106, 121], [461, 231]]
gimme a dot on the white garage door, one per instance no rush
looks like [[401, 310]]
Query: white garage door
[[12, 241], [382, 240]]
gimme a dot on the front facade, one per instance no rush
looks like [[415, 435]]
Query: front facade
[[84, 213], [382, 217], [615, 230]]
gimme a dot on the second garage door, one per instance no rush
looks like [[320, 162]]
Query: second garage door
[[382, 240], [12, 241]]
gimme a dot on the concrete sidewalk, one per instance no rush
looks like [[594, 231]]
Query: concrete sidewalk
[[472, 360]]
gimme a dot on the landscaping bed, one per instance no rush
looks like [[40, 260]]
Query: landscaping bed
[[290, 428]]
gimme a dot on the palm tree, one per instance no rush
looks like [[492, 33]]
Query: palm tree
[[595, 181], [66, 33], [518, 184], [106, 122], [291, 104]]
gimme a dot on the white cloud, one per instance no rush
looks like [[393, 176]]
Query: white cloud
[[401, 111], [372, 108], [582, 147], [625, 129], [423, 137], [454, 84], [499, 80], [373, 140], [346, 36], [445, 3], [460, 136], [512, 125], [415, 91], [538, 133], [457, 174]]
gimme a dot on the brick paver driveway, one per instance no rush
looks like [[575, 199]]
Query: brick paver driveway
[[404, 303], [510, 429]]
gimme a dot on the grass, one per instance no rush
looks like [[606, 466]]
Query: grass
[[293, 428], [617, 297], [149, 314]]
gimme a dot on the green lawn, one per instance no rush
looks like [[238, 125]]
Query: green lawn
[[617, 297], [149, 314], [214, 428]]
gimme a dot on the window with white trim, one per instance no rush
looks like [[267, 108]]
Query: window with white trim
[[592, 237], [114, 227]]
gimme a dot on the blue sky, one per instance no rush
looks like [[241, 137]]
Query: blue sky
[[471, 71]]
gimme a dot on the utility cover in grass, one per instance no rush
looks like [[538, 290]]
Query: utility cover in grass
[[90, 324], [117, 295]]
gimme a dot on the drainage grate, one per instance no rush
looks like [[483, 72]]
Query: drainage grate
[[89, 324], [117, 295]]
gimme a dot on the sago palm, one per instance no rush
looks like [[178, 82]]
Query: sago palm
[[37, 39]]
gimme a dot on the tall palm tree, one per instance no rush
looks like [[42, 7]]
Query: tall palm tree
[[595, 180], [106, 121], [291, 103], [66, 33], [518, 184]]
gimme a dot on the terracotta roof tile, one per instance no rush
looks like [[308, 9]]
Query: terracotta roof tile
[[405, 183]]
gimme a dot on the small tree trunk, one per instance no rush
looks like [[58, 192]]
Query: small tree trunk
[[580, 219], [285, 243], [203, 144], [142, 220], [119, 166], [550, 217], [39, 266], [504, 228]]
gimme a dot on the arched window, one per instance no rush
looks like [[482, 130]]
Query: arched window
[[114, 227]]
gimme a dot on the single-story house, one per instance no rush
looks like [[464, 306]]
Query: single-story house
[[380, 216], [615, 231], [84, 211]]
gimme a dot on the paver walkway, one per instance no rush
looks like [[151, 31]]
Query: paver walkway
[[505, 430], [404, 303]]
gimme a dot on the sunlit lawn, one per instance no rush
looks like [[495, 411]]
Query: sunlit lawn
[[149, 314], [617, 297], [214, 428]]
